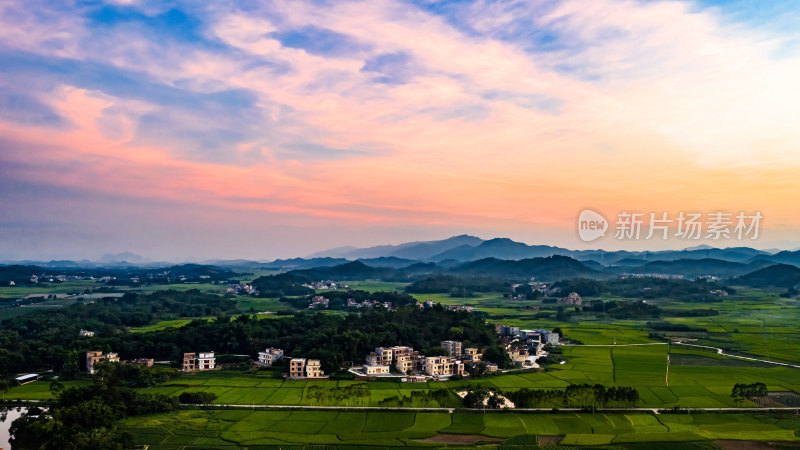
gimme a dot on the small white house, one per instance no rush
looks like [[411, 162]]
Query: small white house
[[375, 369]]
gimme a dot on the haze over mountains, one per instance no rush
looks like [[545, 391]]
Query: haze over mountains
[[470, 248], [466, 254]]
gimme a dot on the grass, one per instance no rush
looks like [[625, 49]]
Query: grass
[[206, 428]]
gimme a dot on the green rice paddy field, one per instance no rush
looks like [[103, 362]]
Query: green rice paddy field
[[253, 429], [697, 379]]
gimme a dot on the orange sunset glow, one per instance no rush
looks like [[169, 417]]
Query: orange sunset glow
[[282, 128]]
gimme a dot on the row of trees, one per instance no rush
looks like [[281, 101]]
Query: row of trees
[[646, 288], [576, 395], [742, 391]]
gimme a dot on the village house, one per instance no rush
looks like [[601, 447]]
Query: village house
[[314, 369], [270, 356], [382, 356], [375, 370], [199, 361], [443, 366], [413, 362], [319, 302], [518, 355], [94, 357], [300, 368], [453, 348], [145, 362], [85, 333], [297, 368], [472, 355]]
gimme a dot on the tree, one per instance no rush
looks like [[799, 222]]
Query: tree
[[494, 402], [201, 398], [476, 397], [496, 354]]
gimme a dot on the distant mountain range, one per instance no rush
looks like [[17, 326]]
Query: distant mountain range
[[470, 248], [410, 250], [472, 255]]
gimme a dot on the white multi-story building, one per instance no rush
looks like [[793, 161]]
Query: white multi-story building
[[206, 361], [270, 356]]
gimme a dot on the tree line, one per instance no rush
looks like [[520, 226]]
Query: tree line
[[575, 395], [50, 341]]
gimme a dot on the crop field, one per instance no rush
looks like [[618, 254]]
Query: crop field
[[229, 428], [38, 390]]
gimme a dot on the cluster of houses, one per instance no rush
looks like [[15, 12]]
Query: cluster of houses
[[419, 367], [93, 357], [326, 284], [241, 289], [299, 368], [524, 347], [351, 303], [572, 299], [431, 304], [320, 302]]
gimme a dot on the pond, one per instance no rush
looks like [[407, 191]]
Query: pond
[[8, 414]]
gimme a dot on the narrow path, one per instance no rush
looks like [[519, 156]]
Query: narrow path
[[453, 410], [612, 345]]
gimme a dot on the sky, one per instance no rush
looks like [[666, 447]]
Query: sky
[[265, 129]]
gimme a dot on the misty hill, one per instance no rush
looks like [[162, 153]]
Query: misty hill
[[785, 257], [693, 268], [303, 263], [195, 271], [388, 261], [779, 275], [354, 270], [410, 250], [123, 256], [735, 254], [551, 268], [469, 248], [501, 248]]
